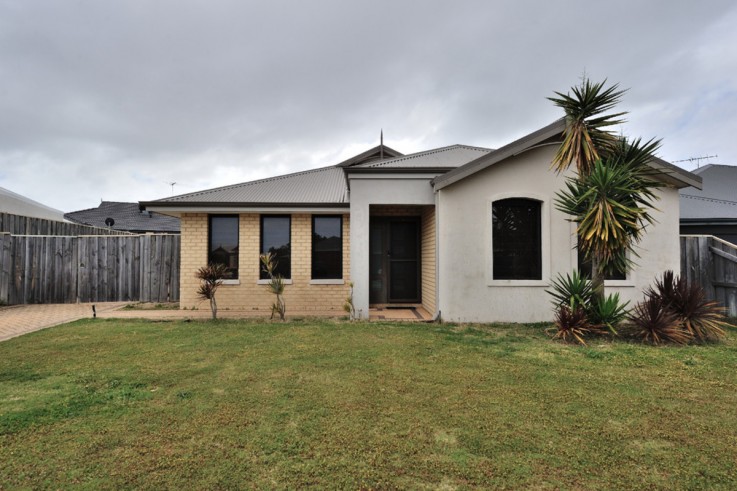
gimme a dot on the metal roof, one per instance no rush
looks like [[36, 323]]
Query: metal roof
[[444, 157], [668, 173], [326, 185], [16, 204], [718, 197], [127, 216]]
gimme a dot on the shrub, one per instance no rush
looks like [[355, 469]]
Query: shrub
[[655, 323], [276, 285], [702, 319], [572, 290], [572, 324], [211, 277], [608, 313]]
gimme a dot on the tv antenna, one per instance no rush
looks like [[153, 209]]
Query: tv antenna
[[172, 184], [697, 159]]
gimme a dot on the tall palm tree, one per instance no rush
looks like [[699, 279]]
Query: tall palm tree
[[613, 190]]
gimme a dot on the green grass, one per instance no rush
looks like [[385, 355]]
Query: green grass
[[228, 404]]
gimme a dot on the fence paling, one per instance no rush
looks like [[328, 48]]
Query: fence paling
[[712, 263], [63, 269]]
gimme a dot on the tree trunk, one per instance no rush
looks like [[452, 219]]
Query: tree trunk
[[597, 279], [214, 307]]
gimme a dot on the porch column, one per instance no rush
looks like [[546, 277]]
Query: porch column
[[359, 237]]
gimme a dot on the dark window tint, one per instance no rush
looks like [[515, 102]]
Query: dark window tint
[[276, 239], [223, 248], [517, 248], [584, 267], [327, 247]]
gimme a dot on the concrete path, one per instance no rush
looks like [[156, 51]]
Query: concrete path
[[21, 319]]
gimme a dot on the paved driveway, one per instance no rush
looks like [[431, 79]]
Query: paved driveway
[[21, 319]]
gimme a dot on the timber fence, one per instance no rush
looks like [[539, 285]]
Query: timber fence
[[70, 269], [22, 225], [712, 263]]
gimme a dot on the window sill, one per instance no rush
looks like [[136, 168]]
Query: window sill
[[231, 282], [537, 283], [619, 283], [327, 282], [266, 282]]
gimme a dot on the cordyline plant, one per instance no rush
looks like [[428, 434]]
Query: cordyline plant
[[276, 285], [612, 192], [211, 277], [348, 305]]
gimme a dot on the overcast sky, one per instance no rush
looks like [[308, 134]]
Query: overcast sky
[[115, 100]]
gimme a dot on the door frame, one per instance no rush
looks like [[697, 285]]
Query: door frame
[[386, 222]]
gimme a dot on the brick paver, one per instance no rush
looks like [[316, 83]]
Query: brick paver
[[21, 319]]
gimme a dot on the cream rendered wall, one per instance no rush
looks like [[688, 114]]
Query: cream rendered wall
[[467, 291]]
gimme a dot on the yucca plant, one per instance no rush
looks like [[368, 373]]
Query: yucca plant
[[572, 324], [276, 285], [608, 313], [587, 136], [573, 290], [655, 323], [211, 277], [703, 319]]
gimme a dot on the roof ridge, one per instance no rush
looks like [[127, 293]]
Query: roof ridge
[[706, 198], [426, 152], [248, 183]]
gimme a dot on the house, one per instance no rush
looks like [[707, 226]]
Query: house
[[16, 204], [713, 209], [467, 233], [127, 217]]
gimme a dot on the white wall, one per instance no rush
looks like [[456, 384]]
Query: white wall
[[467, 291], [410, 189]]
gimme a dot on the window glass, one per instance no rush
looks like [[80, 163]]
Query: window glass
[[223, 247], [327, 247], [584, 267], [517, 249], [276, 239]]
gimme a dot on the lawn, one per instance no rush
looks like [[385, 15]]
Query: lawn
[[245, 404]]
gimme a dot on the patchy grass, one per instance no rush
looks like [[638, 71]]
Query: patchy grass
[[152, 306], [247, 404]]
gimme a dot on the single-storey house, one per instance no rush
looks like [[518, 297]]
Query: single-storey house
[[711, 210], [126, 217], [468, 233]]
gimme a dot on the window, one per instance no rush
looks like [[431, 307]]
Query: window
[[327, 247], [276, 239], [516, 239], [223, 243], [584, 267]]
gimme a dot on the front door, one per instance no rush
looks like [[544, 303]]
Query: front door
[[394, 260]]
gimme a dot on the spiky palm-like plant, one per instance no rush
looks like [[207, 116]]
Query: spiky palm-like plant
[[587, 137], [611, 194], [611, 205], [276, 284], [211, 277]]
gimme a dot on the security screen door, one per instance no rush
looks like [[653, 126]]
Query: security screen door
[[394, 261]]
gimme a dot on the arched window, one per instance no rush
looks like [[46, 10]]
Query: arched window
[[516, 239]]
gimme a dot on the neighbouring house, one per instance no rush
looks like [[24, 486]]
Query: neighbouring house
[[126, 217], [16, 204], [467, 233], [711, 210]]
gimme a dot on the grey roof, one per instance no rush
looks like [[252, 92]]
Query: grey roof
[[16, 204], [444, 157], [377, 153], [716, 200], [127, 216], [322, 186], [669, 173]]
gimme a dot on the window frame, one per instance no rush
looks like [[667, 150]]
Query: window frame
[[261, 273], [545, 240], [236, 276], [312, 250], [531, 239]]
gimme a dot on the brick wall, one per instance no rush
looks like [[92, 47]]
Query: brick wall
[[427, 254], [301, 297]]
